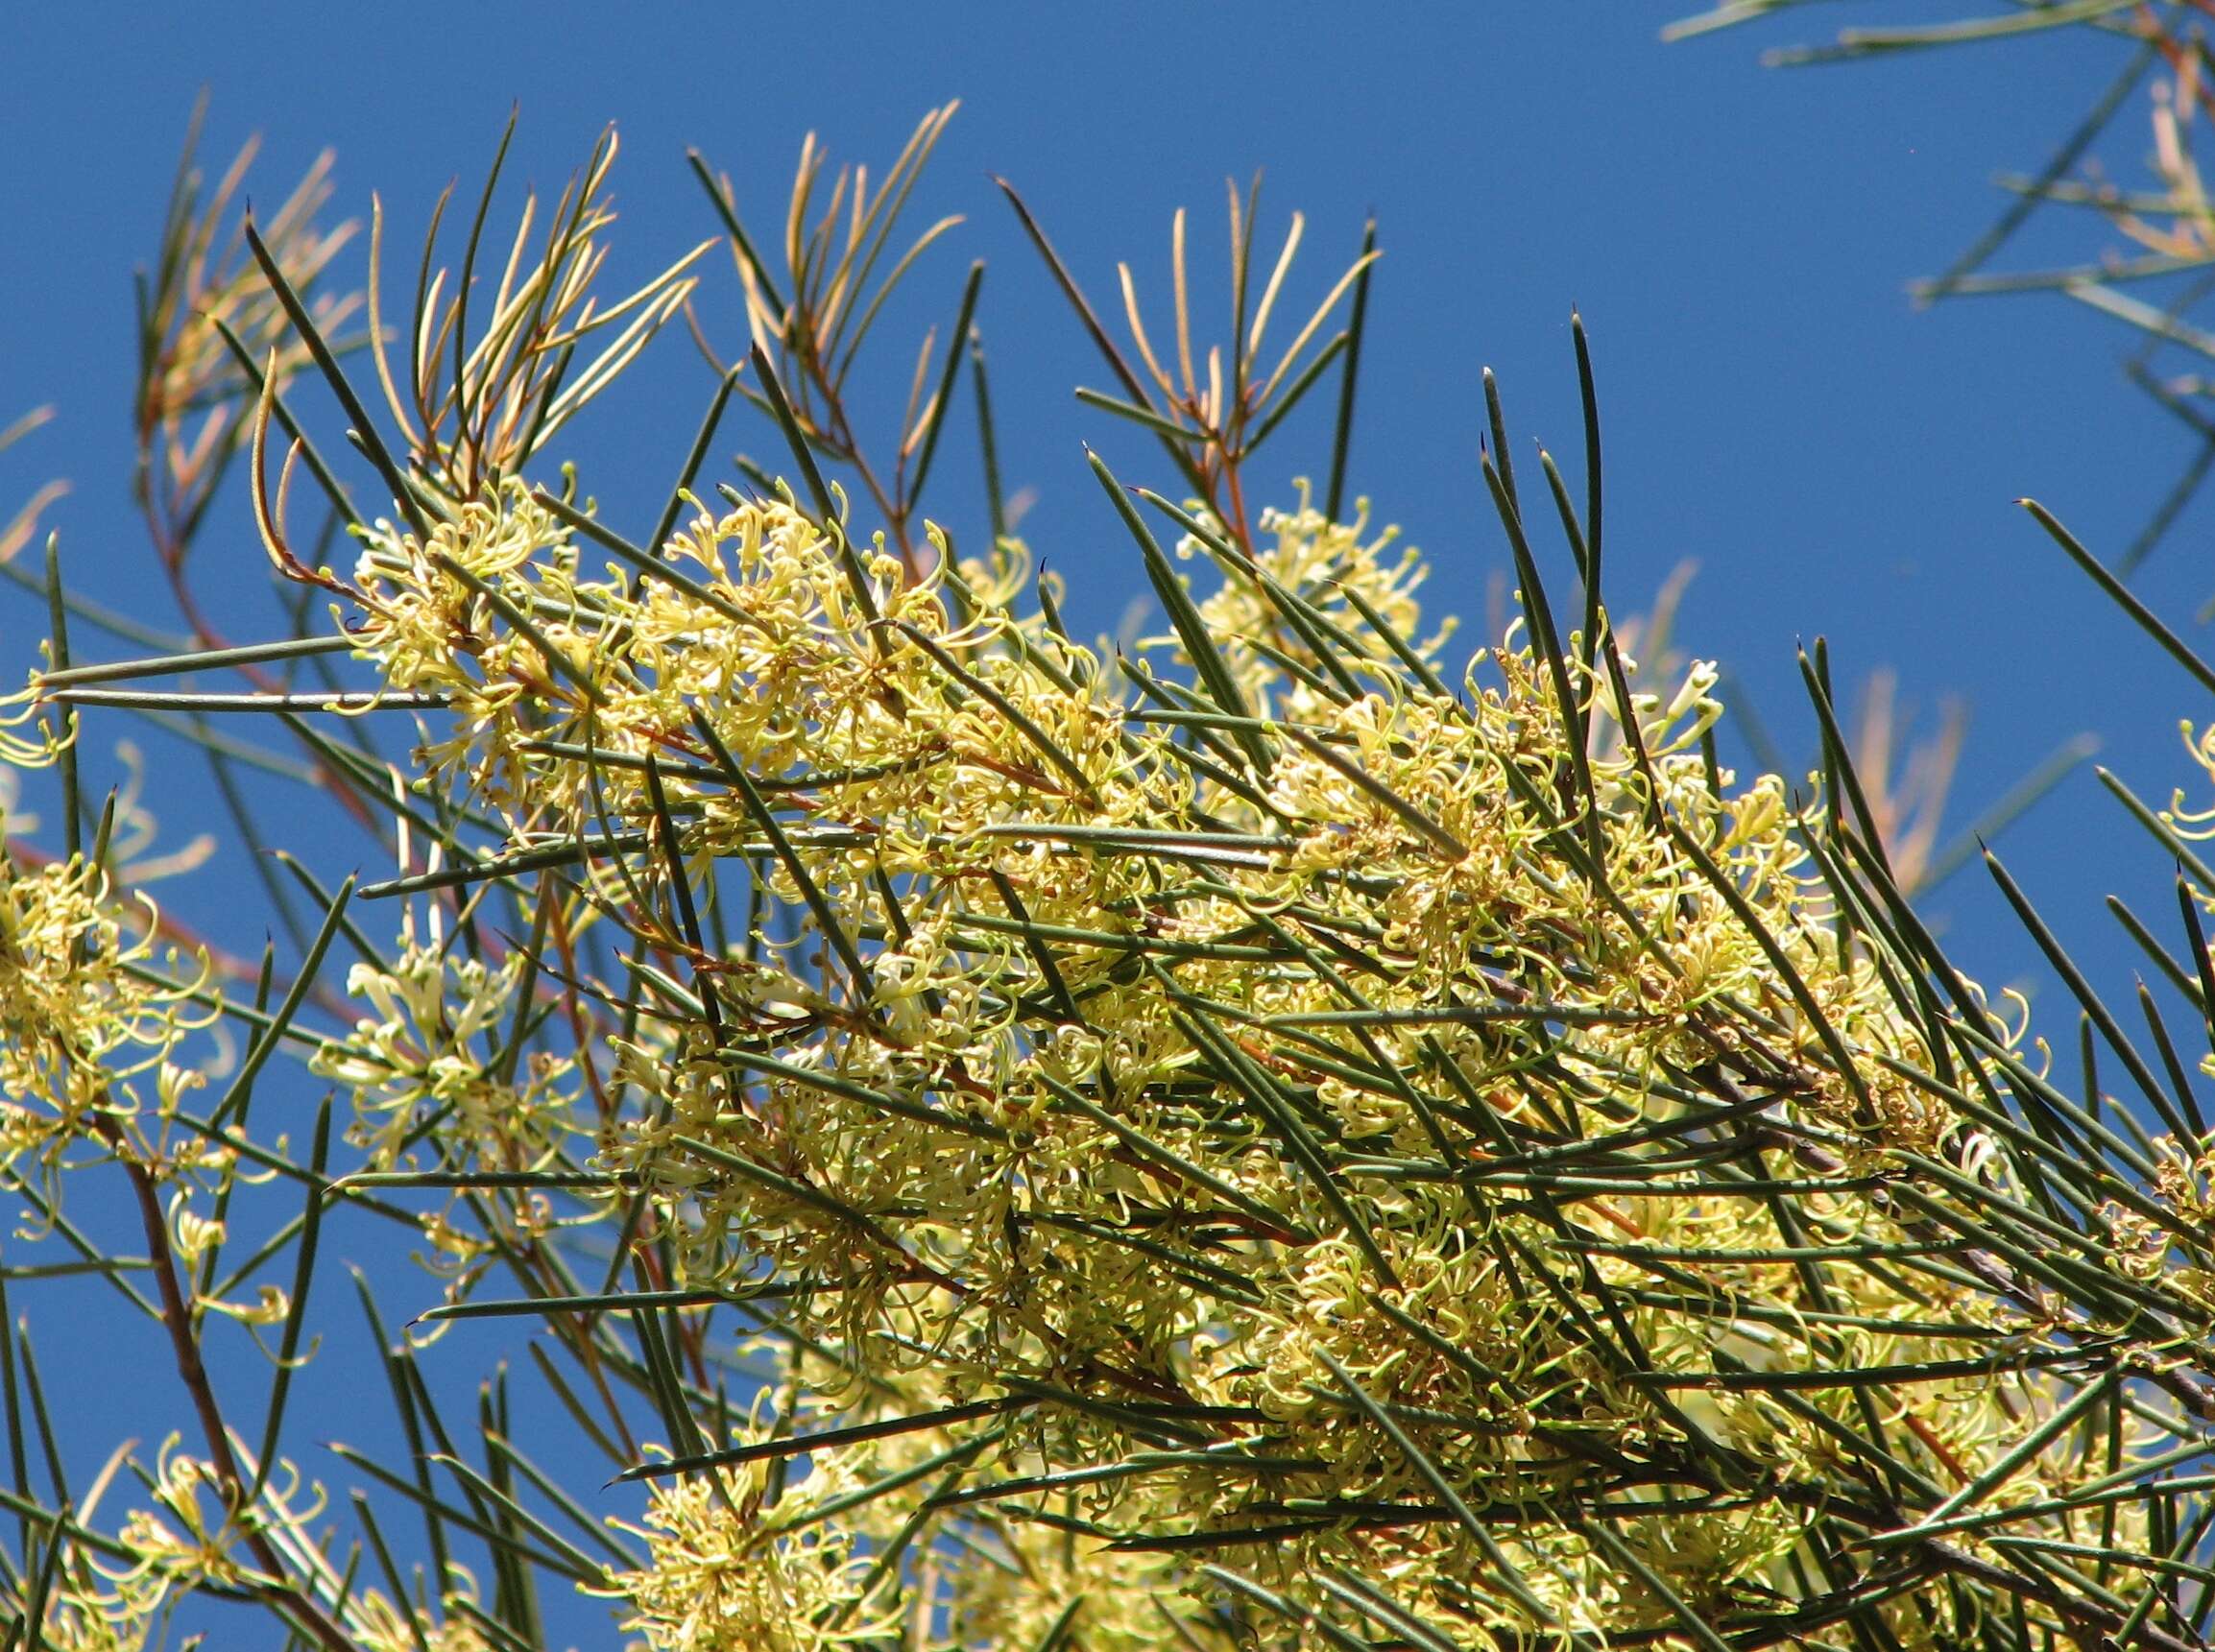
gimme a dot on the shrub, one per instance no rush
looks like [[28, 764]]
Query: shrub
[[1296, 1132]]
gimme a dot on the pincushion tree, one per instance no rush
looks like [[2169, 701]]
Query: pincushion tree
[[1298, 1132]]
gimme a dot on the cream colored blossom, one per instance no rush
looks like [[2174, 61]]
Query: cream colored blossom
[[721, 1580], [429, 1053], [82, 1013], [189, 1536], [1058, 995]]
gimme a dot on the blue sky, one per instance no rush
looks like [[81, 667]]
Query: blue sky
[[1738, 241]]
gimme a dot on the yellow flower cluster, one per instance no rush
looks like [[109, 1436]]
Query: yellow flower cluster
[[1311, 552], [427, 1061], [189, 1536], [1337, 1109], [431, 1087], [431, 619], [734, 1567], [724, 1583], [82, 1013]]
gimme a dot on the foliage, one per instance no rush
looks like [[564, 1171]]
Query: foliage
[[1289, 1134]]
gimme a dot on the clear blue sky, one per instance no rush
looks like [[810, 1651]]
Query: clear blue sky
[[1738, 240]]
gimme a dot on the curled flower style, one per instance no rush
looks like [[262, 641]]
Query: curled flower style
[[100, 1620], [191, 1535], [2196, 826], [26, 709], [378, 1625]]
